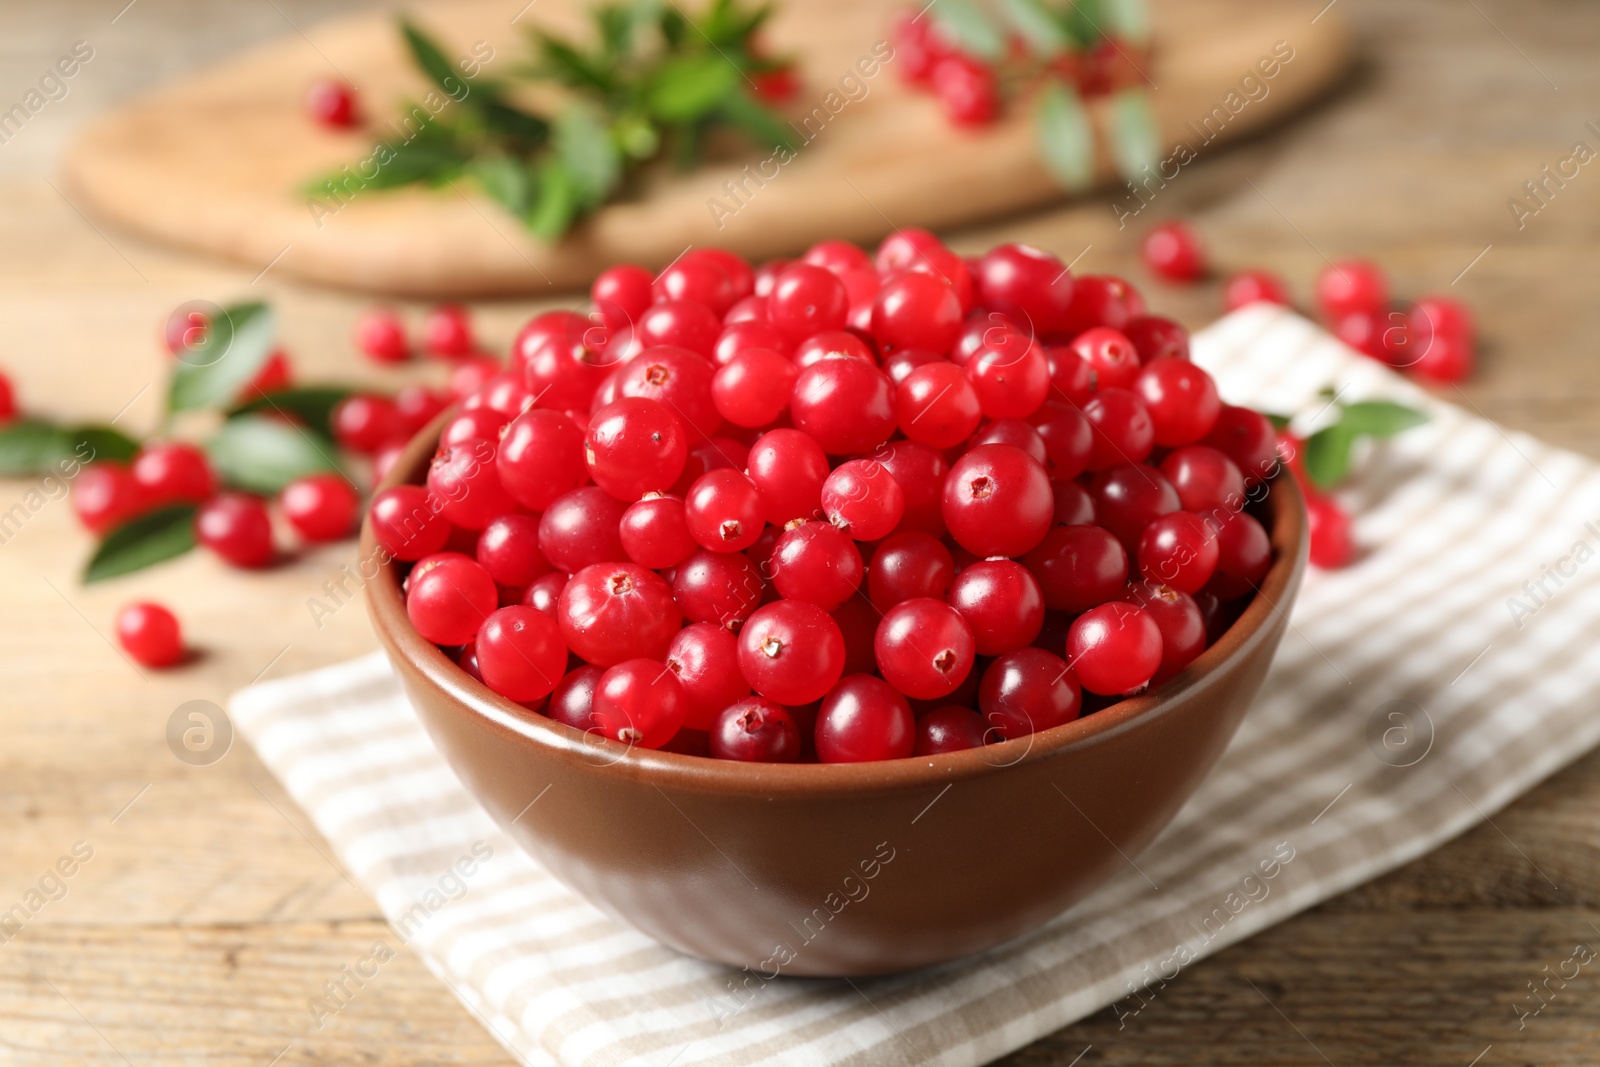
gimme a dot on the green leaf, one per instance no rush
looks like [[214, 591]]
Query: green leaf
[[1037, 25], [1135, 135], [312, 404], [1066, 139], [588, 155], [504, 180], [140, 542], [1327, 455], [569, 66], [431, 58], [1126, 21], [32, 446], [1380, 418], [965, 25], [686, 87], [214, 372], [1082, 22], [555, 205], [531, 130], [263, 454], [760, 124], [102, 442]]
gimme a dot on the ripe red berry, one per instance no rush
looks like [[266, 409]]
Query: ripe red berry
[[564, 358], [937, 405], [509, 550], [1068, 439], [1172, 250], [332, 103], [697, 280], [466, 484], [320, 507], [863, 499], [621, 293], [1254, 287], [581, 528], [504, 392], [474, 424], [1101, 300], [417, 405], [1000, 600], [1110, 356], [150, 634], [1030, 285], [1129, 497], [949, 729], [1247, 438], [677, 377], [635, 446], [1204, 479], [789, 469], [997, 501], [924, 648], [1178, 549], [916, 310], [406, 523], [1350, 286], [753, 387], [721, 588], [920, 471], [1078, 567], [863, 718], [365, 423], [1444, 339], [968, 89], [612, 612], [639, 702], [1018, 434], [1026, 691], [1178, 617], [705, 659], [173, 473], [1155, 338], [1244, 555], [1011, 378], [8, 402], [806, 300], [755, 730], [1181, 400], [791, 652], [381, 336], [1123, 429], [908, 565], [815, 562], [1329, 526], [846, 405], [544, 592], [655, 533], [1074, 505], [448, 596], [236, 527], [447, 332], [1072, 380], [520, 653], [572, 700], [1114, 649], [724, 511], [540, 457], [681, 324]]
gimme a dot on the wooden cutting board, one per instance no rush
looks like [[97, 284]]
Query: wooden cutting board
[[216, 162]]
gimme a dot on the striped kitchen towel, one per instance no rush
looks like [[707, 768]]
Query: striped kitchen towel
[[1418, 691]]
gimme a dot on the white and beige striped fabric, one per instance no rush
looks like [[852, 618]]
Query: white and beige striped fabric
[[1418, 691]]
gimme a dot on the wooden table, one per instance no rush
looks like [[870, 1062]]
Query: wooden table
[[210, 912]]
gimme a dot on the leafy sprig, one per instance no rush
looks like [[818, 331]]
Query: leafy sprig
[[1326, 455]]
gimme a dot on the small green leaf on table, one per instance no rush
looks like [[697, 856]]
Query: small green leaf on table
[[1380, 418], [140, 542], [262, 454], [214, 372], [1066, 139], [1327, 455], [34, 446], [311, 404]]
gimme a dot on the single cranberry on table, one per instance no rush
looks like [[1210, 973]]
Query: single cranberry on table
[[1349, 286], [1332, 544], [173, 472], [1001, 602], [1078, 567], [846, 405], [150, 634], [1026, 691], [924, 648], [635, 446], [1114, 649], [612, 612], [236, 527], [968, 89], [1254, 287], [1180, 620], [816, 563], [447, 332], [705, 659], [864, 719], [791, 652], [572, 700], [1172, 250], [949, 729], [997, 501], [275, 374], [321, 507], [639, 702], [1444, 339], [332, 103], [907, 565], [862, 498], [406, 522], [581, 528], [448, 596], [540, 457], [755, 730], [365, 423], [521, 654], [380, 335], [722, 588], [509, 551]]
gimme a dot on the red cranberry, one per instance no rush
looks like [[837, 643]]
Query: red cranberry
[[1181, 399], [1204, 479], [8, 401], [365, 423], [1178, 617], [903, 247], [544, 592], [1351, 286], [737, 337], [753, 387], [1074, 505], [1178, 549], [572, 700], [149, 633], [1329, 526], [333, 103], [968, 90], [540, 457], [1028, 284], [676, 377], [705, 659], [806, 300], [562, 358], [320, 507], [1068, 440], [639, 702], [520, 653], [655, 533], [612, 612], [622, 290], [697, 280], [580, 529], [724, 511], [899, 364], [1072, 380], [406, 523], [1154, 337], [681, 324], [858, 625], [381, 336], [863, 499], [465, 482], [635, 446], [173, 473], [1114, 649], [1001, 602], [417, 405], [924, 648], [997, 501], [1172, 250], [509, 550], [1011, 380], [789, 469], [741, 277], [829, 344], [791, 652], [1111, 357], [1244, 555], [447, 332], [1129, 497], [916, 46], [1444, 336], [235, 526], [937, 404], [448, 596], [908, 565], [755, 730], [471, 373], [503, 392], [1247, 438], [1254, 287], [916, 310], [1101, 300], [722, 588], [475, 424], [1123, 429], [846, 405], [949, 729], [1026, 691], [1078, 567], [864, 719], [837, 256], [815, 562], [920, 471]]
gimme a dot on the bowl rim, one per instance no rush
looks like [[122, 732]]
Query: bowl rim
[[697, 774]]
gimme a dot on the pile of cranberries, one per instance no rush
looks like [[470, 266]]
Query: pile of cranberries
[[840, 508]]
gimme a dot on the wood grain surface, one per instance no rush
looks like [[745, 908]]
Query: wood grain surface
[[210, 913], [217, 161]]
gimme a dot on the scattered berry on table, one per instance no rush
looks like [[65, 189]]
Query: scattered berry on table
[[150, 634]]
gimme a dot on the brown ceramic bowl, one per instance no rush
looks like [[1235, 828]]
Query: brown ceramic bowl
[[844, 869]]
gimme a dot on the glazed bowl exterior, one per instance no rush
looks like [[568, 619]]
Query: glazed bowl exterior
[[843, 869]]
